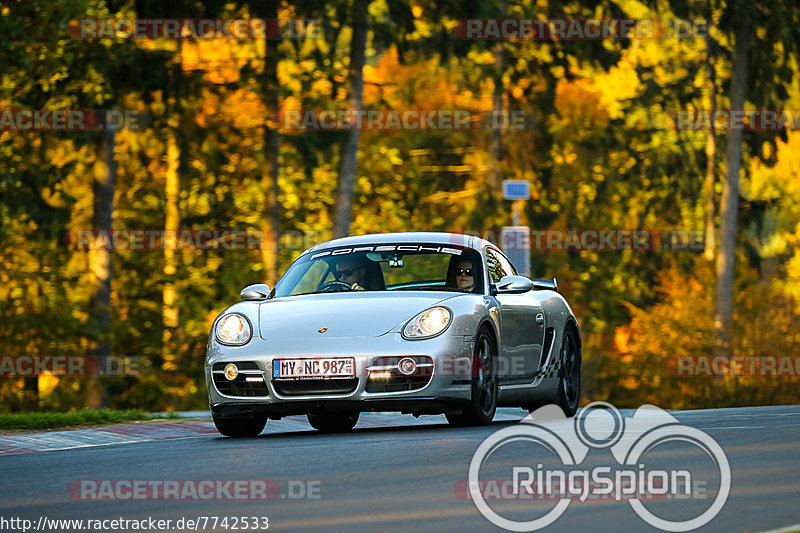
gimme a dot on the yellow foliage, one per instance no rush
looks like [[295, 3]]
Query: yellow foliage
[[221, 59], [620, 83], [780, 182], [47, 383]]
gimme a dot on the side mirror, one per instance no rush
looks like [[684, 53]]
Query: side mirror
[[256, 292], [514, 285], [545, 284]]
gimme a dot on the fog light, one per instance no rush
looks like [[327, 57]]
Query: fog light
[[231, 371], [407, 366]]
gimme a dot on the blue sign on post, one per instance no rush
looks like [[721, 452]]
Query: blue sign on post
[[516, 190]]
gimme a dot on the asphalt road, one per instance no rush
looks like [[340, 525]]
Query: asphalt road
[[398, 476]]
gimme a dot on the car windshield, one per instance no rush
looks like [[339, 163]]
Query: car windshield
[[402, 267]]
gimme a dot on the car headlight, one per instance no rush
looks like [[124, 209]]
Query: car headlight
[[233, 329], [428, 323]]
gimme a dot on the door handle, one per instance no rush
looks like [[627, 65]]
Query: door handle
[[540, 319]]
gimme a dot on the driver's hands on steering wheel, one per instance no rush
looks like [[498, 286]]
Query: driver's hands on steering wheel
[[338, 286]]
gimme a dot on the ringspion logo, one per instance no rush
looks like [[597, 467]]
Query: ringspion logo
[[598, 425]]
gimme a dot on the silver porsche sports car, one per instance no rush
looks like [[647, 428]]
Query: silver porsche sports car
[[420, 323]]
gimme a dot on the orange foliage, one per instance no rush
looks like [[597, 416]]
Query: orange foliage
[[682, 323], [578, 104]]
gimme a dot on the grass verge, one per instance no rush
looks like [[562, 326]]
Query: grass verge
[[48, 420]]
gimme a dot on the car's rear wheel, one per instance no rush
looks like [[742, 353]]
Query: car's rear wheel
[[240, 427], [333, 422], [569, 383], [483, 403]]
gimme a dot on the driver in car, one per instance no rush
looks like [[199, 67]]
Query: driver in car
[[351, 271]]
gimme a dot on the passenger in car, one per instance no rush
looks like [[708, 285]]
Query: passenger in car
[[465, 275], [461, 274]]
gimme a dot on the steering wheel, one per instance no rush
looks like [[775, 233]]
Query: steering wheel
[[334, 286]]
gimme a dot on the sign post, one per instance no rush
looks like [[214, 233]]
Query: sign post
[[516, 239]]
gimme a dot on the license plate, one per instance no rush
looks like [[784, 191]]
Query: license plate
[[314, 368]]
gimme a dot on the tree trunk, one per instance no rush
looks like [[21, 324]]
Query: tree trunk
[[169, 310], [496, 152], [270, 188], [347, 166], [496, 143], [723, 311], [711, 152], [105, 169], [270, 170]]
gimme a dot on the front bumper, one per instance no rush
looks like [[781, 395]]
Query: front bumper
[[447, 387]]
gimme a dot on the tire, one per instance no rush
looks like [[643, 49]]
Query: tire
[[333, 422], [240, 427], [569, 376], [483, 401]]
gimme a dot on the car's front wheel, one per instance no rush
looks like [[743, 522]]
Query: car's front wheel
[[483, 403], [333, 422], [240, 427]]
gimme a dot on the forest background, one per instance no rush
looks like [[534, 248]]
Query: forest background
[[601, 150]]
